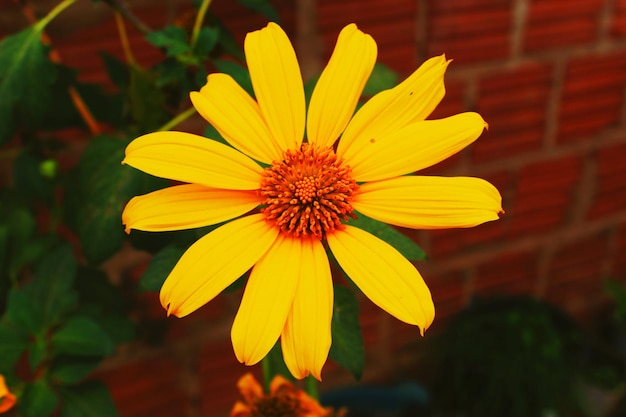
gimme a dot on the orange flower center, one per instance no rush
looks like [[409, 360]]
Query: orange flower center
[[308, 192]]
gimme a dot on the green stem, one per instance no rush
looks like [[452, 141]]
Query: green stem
[[52, 14], [267, 373], [198, 23], [178, 119], [310, 385]]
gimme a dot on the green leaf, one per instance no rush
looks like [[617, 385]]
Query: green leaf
[[159, 268], [117, 70], [104, 186], [26, 75], [23, 313], [37, 400], [51, 289], [12, 344], [71, 369], [83, 337], [206, 42], [29, 181], [147, 101], [263, 7], [347, 348], [37, 352], [91, 399], [403, 244], [382, 78], [173, 39], [238, 72]]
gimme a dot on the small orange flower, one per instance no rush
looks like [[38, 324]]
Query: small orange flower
[[284, 400], [7, 399]]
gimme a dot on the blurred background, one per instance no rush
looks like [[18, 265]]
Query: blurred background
[[549, 76]]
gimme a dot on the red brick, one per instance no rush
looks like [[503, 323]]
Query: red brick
[[218, 373], [149, 387], [392, 26], [447, 291], [453, 102], [618, 26], [610, 193], [592, 96], [514, 104], [575, 272], [510, 273], [619, 260], [544, 195], [558, 23], [474, 32]]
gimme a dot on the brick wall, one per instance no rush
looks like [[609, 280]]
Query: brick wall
[[550, 78]]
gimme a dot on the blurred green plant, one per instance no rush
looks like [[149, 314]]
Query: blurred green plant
[[506, 356], [60, 314]]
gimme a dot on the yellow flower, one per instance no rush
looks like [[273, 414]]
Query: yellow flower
[[283, 400], [7, 399], [298, 206]]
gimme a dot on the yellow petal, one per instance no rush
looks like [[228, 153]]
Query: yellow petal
[[306, 338], [194, 159], [414, 147], [229, 108], [384, 275], [216, 261], [186, 207], [390, 110], [267, 300], [421, 202], [340, 85], [277, 84]]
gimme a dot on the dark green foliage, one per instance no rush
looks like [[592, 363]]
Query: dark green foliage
[[347, 346], [509, 356]]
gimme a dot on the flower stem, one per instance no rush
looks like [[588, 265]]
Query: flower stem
[[178, 119], [121, 29], [198, 23], [310, 385], [52, 14], [267, 373]]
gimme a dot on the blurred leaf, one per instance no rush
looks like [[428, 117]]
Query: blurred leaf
[[26, 75], [147, 101], [91, 399], [263, 7], [71, 369], [238, 72], [37, 400], [159, 268], [29, 181], [402, 243], [83, 337], [105, 304], [173, 39], [207, 39], [23, 313], [37, 352], [12, 344], [51, 289], [117, 70], [104, 186], [382, 78], [347, 348]]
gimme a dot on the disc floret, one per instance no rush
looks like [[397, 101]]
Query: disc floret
[[308, 192]]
